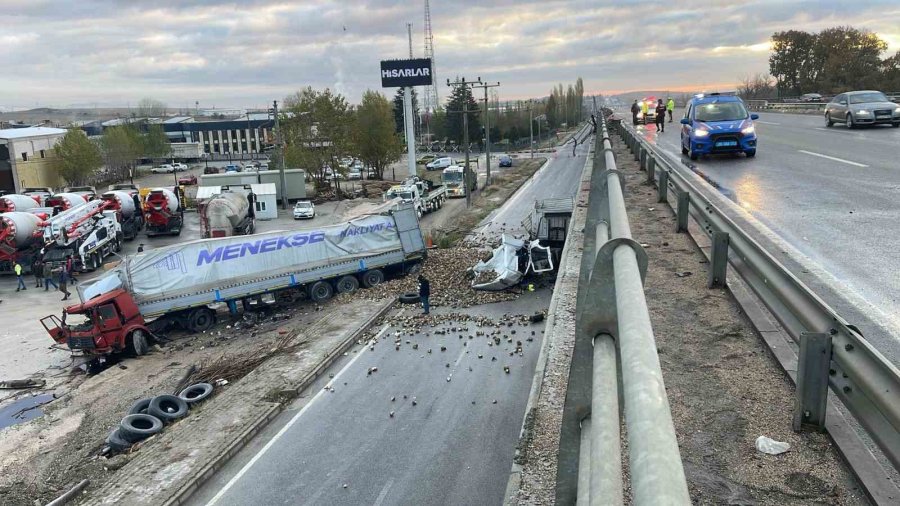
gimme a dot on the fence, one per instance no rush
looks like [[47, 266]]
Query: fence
[[614, 343], [831, 352]]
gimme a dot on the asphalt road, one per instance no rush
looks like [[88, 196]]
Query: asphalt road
[[454, 447], [830, 193]]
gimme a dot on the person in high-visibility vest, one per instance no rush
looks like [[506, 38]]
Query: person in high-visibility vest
[[670, 107], [644, 110], [18, 269]]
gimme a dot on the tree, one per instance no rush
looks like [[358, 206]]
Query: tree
[[150, 108], [552, 108], [79, 156], [376, 143], [316, 130], [757, 87], [579, 99], [458, 97], [398, 110], [155, 143], [121, 146], [792, 61]]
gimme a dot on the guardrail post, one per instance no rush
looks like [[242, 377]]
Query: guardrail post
[[651, 170], [718, 260], [645, 156], [812, 381], [663, 186], [684, 203], [638, 148]]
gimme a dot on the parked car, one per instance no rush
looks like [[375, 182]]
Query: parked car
[[426, 158], [717, 123], [354, 173], [211, 170], [263, 166], [304, 209], [249, 167], [856, 108], [232, 168], [440, 163], [179, 167], [505, 161], [187, 179], [810, 97], [163, 169]]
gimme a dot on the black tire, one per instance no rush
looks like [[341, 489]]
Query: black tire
[[140, 407], [409, 298], [167, 408], [684, 150], [138, 343], [693, 154], [850, 124], [134, 428], [347, 284], [895, 125], [116, 442], [750, 153], [196, 393], [828, 121], [320, 291], [201, 319], [372, 278]]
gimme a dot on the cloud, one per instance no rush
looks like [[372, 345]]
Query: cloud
[[247, 53]]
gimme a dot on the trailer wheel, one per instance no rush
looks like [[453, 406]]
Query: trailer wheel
[[347, 284], [201, 319], [372, 278], [134, 428], [138, 343], [320, 291]]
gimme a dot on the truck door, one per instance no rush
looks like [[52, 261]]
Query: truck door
[[408, 229], [110, 324]]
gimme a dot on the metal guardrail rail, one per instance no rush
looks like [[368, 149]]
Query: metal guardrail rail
[[831, 351], [614, 363]]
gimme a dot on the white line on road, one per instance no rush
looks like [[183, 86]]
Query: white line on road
[[766, 122], [832, 158], [838, 130], [290, 424], [384, 493]]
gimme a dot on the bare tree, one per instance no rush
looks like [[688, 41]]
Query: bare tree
[[150, 108]]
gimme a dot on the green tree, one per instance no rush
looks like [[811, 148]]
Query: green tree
[[552, 110], [156, 143], [79, 156], [458, 97], [850, 59], [377, 144], [398, 110], [121, 146], [792, 62], [316, 130]]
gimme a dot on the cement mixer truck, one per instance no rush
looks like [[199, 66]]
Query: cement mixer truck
[[88, 233], [164, 212], [20, 238], [128, 206], [65, 200], [226, 214], [185, 284], [16, 202]]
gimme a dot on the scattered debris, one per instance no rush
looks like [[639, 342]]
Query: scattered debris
[[770, 446]]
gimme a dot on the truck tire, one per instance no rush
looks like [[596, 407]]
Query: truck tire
[[347, 284], [320, 291], [137, 343], [201, 319], [372, 278], [196, 393], [139, 407], [410, 298], [134, 428], [116, 442], [167, 408]]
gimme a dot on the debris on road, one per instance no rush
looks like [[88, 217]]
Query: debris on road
[[770, 446]]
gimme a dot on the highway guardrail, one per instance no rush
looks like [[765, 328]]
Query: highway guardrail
[[831, 351], [614, 344]]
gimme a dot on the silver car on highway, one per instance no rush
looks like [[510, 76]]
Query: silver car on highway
[[856, 108]]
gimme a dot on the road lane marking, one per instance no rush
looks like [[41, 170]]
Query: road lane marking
[[291, 423], [832, 158], [766, 122], [384, 493], [838, 130]]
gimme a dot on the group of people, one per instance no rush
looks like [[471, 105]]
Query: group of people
[[46, 274], [661, 109]]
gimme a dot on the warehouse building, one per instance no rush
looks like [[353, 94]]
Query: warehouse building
[[27, 158], [240, 136]]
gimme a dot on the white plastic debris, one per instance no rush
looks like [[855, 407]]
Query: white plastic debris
[[770, 446]]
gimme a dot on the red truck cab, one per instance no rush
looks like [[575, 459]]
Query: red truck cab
[[111, 323]]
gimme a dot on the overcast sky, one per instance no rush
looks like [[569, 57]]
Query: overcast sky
[[246, 53]]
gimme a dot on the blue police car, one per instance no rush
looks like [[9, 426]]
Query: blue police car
[[717, 123]]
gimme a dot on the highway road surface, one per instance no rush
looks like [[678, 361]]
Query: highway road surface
[[454, 446], [831, 193]]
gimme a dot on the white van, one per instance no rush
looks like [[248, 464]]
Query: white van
[[440, 163]]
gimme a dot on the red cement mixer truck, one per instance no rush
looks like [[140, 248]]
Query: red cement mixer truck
[[128, 206], [164, 212]]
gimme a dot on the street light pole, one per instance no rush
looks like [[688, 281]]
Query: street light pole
[[280, 143], [487, 127], [531, 127]]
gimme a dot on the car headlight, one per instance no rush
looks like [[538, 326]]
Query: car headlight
[[897, 110], [699, 132], [862, 112], [749, 130]]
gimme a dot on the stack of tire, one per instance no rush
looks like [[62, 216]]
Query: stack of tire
[[148, 416]]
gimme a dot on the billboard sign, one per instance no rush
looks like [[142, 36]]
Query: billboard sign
[[402, 73]]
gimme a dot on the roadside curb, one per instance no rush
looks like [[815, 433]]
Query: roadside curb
[[187, 490], [526, 430]]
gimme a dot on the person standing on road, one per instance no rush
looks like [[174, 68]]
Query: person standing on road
[[18, 269], [37, 270], [63, 282], [593, 124], [670, 107], [660, 116], [574, 145], [635, 109], [645, 108], [424, 293], [47, 272], [70, 269]]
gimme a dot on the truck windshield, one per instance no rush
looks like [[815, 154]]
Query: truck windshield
[[453, 177]]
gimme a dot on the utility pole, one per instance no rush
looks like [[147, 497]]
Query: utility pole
[[408, 117], [531, 125], [279, 141], [487, 126], [465, 112]]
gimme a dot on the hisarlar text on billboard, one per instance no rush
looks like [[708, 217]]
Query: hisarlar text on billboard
[[402, 73]]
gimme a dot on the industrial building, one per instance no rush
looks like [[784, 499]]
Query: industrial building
[[27, 158], [251, 134]]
